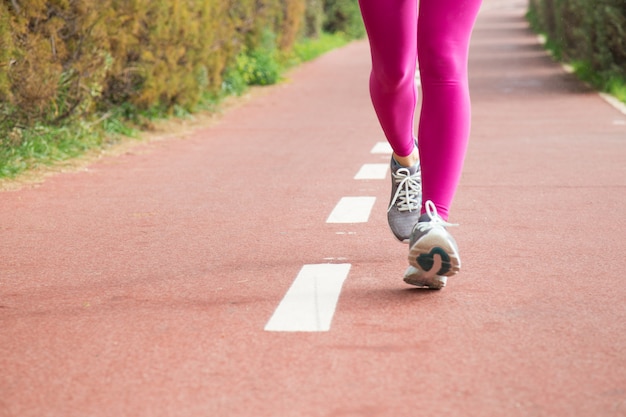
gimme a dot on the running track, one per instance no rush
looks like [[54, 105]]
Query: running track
[[209, 274]]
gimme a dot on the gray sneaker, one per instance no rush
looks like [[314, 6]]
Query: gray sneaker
[[406, 199], [433, 253]]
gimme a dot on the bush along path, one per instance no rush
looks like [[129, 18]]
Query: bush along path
[[590, 40], [79, 76]]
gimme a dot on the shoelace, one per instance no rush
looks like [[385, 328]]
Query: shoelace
[[435, 218], [408, 192]]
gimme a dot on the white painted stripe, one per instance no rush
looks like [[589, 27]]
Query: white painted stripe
[[310, 302], [372, 172], [382, 148], [352, 210], [614, 102]]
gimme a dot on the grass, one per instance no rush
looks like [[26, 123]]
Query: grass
[[617, 88], [312, 48], [27, 148], [607, 83]]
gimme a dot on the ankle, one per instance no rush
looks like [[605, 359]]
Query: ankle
[[409, 160]]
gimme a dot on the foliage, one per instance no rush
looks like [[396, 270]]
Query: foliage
[[64, 58], [313, 18], [79, 74], [309, 49], [590, 34], [343, 16]]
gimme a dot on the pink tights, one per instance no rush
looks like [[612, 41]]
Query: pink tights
[[439, 40]]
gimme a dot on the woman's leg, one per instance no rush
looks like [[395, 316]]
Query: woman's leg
[[444, 30], [392, 32]]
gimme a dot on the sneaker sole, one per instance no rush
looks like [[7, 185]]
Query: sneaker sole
[[414, 276], [433, 258]]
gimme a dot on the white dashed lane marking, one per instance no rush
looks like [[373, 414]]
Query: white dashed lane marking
[[310, 302], [382, 148], [352, 210], [372, 172]]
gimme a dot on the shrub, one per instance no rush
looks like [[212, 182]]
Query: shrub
[[73, 71], [343, 16], [589, 33], [61, 58], [313, 18]]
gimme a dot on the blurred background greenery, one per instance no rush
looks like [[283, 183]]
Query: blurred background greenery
[[81, 74], [76, 74], [589, 35]]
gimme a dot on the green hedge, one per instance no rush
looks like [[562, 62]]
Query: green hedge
[[589, 33], [343, 16], [74, 73], [62, 57]]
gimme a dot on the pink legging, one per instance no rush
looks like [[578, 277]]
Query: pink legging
[[439, 40]]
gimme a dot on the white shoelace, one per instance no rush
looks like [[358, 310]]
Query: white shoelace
[[408, 192], [435, 218]]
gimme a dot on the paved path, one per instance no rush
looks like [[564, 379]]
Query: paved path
[[145, 285]]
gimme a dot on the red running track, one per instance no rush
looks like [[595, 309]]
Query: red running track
[[141, 286]]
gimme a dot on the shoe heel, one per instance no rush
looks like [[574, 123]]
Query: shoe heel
[[415, 276]]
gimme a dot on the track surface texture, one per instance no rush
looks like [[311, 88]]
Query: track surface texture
[[142, 284]]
